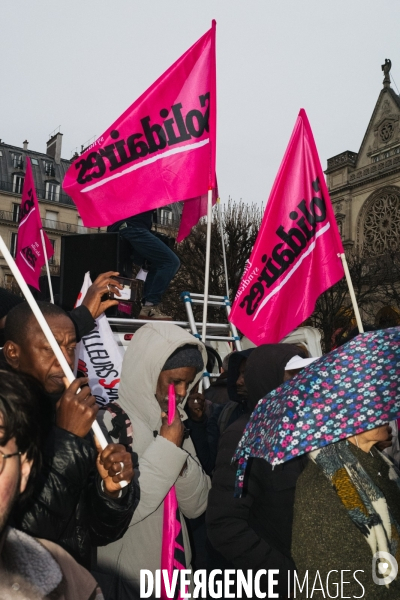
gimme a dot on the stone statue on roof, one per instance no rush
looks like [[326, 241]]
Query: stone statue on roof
[[386, 69]]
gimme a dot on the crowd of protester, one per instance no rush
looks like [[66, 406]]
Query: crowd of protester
[[68, 530]]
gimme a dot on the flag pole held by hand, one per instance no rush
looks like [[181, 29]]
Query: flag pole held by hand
[[48, 333], [171, 403], [45, 328]]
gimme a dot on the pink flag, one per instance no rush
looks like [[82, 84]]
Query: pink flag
[[172, 549], [30, 256], [160, 150], [295, 257], [193, 210]]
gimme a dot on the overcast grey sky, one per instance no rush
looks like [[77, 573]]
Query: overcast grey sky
[[80, 63]]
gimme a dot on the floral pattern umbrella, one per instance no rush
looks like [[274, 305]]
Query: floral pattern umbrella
[[350, 390]]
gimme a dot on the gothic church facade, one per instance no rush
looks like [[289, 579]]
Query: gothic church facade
[[365, 186]]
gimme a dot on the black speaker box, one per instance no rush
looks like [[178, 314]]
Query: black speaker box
[[44, 286], [94, 252], [44, 292]]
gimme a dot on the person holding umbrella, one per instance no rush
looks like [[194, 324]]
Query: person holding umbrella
[[346, 530]]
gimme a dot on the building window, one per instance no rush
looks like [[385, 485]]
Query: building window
[[16, 209], [52, 191], [1, 152], [81, 228], [382, 224], [35, 161], [52, 258], [17, 161], [51, 219], [165, 216], [10, 282], [18, 183], [49, 168], [13, 246]]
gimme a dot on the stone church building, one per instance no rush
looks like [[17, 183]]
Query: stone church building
[[365, 186]]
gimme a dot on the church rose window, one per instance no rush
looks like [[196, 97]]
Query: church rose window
[[382, 224]]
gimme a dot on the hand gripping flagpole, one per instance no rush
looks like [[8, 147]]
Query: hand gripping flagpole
[[48, 334], [47, 265], [352, 294]]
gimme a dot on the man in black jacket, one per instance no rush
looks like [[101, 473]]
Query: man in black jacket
[[77, 502], [254, 532]]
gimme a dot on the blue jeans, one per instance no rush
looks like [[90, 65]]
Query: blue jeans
[[163, 262]]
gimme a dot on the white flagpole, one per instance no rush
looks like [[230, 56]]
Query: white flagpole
[[48, 333], [223, 247], [207, 269], [352, 294], [47, 266]]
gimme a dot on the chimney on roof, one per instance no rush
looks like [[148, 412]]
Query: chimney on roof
[[25, 144], [53, 148]]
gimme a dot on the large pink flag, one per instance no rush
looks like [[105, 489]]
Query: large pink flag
[[160, 150], [30, 256], [295, 257]]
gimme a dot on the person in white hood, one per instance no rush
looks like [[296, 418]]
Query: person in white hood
[[159, 354]]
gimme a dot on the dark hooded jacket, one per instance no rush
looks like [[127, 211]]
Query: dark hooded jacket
[[217, 393], [67, 505], [225, 414], [234, 363], [254, 532], [205, 433]]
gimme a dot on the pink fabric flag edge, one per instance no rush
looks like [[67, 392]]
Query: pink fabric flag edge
[[29, 233], [193, 210], [322, 181]]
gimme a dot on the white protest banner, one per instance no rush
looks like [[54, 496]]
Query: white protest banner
[[99, 357]]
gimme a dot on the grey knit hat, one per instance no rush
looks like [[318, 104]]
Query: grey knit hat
[[188, 355]]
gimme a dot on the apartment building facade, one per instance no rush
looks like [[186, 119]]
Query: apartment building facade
[[57, 210]]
